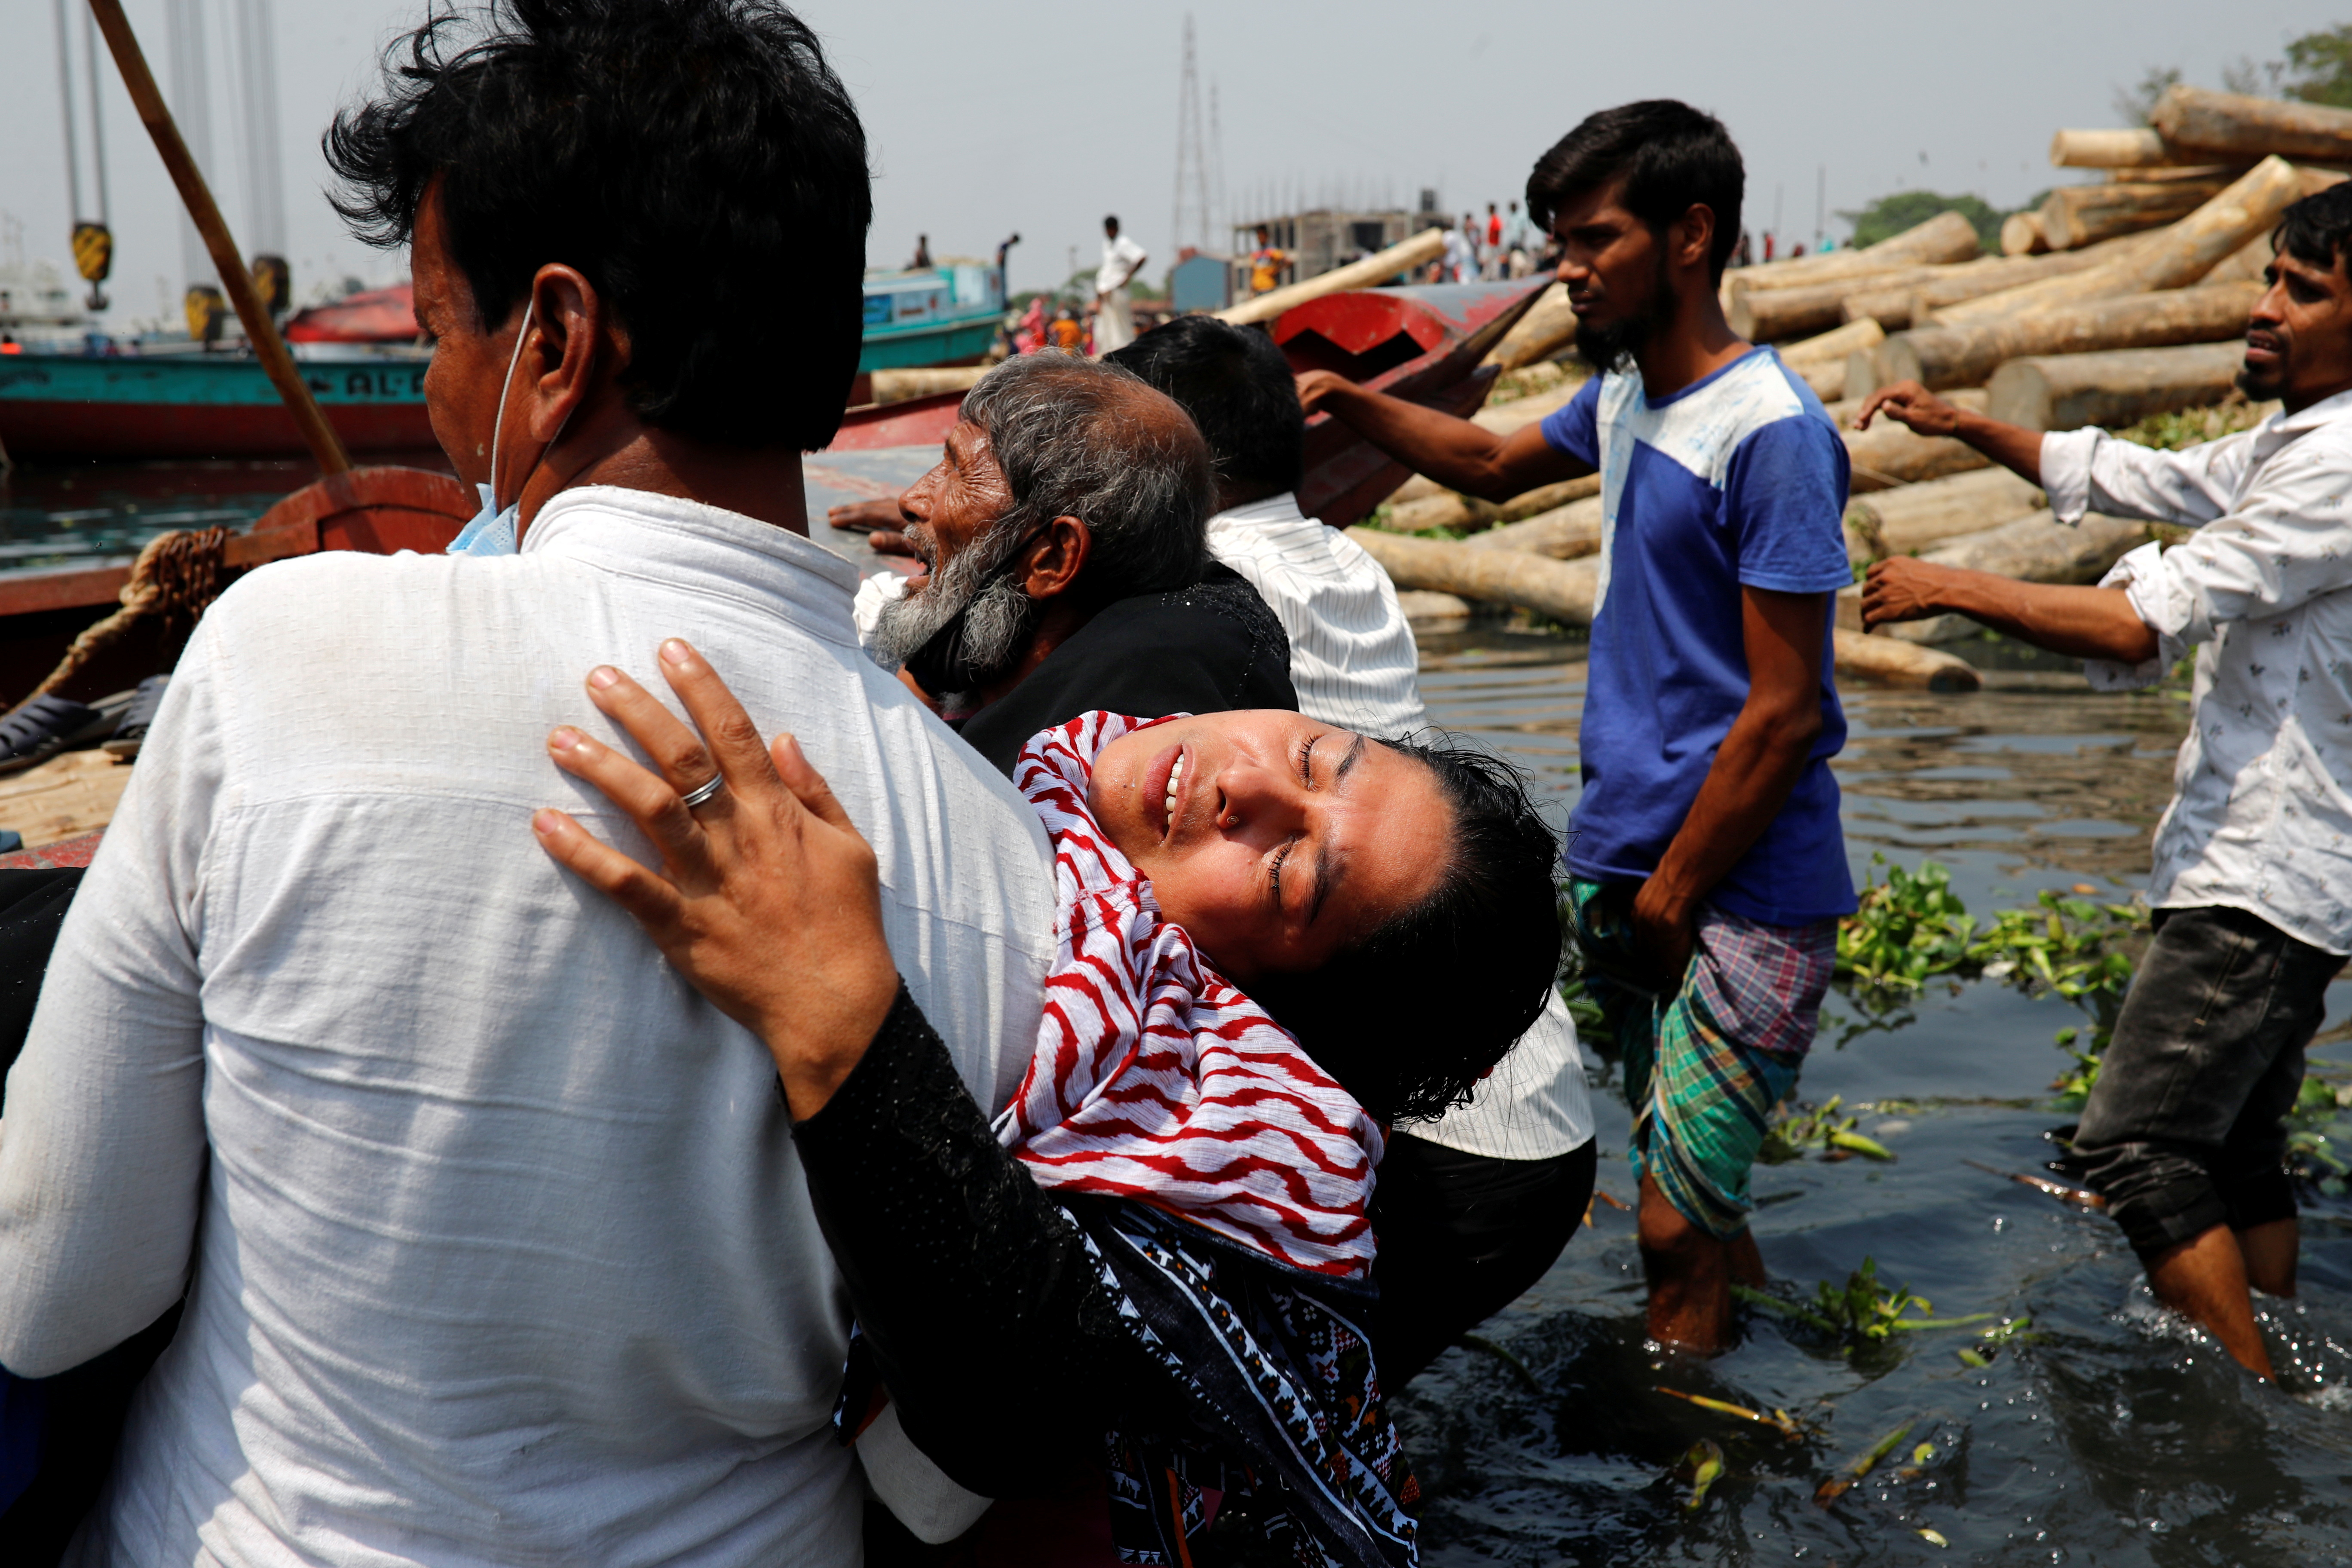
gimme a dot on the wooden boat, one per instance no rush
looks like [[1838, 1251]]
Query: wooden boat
[[931, 316], [1421, 344], [128, 407], [359, 359]]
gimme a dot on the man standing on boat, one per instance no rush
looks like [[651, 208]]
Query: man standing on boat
[[1122, 259], [2184, 1132], [492, 1234], [1708, 866]]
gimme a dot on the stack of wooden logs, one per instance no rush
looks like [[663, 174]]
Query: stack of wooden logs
[[2112, 301]]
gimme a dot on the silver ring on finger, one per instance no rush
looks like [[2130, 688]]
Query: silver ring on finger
[[704, 794]]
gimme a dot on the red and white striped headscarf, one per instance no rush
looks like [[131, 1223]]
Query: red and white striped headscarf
[[1154, 1079]]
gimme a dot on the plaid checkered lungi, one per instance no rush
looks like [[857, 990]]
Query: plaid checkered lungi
[[1705, 1068]]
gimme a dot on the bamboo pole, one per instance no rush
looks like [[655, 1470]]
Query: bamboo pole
[[259, 329], [1370, 273]]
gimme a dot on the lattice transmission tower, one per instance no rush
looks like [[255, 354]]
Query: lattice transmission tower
[[1189, 222]]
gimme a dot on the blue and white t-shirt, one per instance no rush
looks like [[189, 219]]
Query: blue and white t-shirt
[[1738, 480]]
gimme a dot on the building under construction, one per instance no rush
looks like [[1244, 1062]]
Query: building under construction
[[1323, 239]]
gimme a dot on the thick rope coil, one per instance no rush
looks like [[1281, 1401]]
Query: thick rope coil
[[176, 576]]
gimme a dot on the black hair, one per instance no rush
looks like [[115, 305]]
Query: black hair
[[2318, 228], [1410, 1020], [1672, 157], [697, 160], [1238, 389]]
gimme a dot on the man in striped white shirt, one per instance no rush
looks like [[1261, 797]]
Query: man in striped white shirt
[[1473, 1206]]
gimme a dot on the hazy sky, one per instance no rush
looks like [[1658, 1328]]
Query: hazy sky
[[1040, 115]]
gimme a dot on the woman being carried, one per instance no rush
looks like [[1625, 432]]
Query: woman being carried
[[1156, 1258]]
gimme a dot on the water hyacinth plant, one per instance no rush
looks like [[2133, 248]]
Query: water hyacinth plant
[[1859, 1313], [1912, 927]]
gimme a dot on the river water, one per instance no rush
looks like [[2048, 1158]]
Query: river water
[[2113, 1435]]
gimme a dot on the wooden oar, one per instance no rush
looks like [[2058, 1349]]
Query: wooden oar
[[259, 329]]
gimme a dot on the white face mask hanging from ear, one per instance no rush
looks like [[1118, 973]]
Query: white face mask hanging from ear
[[492, 530]]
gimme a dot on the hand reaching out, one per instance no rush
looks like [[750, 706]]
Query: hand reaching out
[[1314, 385], [1912, 405], [767, 899]]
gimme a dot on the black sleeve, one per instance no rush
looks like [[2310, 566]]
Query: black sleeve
[[988, 1322], [1209, 648], [33, 905]]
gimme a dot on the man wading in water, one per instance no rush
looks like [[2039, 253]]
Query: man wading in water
[[2252, 881], [1708, 864]]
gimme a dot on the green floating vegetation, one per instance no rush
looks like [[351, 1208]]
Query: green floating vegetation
[[1838, 1485], [1912, 927], [1860, 1313], [2319, 1134], [1705, 1462], [1798, 1129]]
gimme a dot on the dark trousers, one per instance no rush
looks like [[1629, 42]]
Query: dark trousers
[[2186, 1128], [1461, 1237]]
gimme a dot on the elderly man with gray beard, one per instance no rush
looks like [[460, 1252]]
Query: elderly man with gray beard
[[1065, 529]]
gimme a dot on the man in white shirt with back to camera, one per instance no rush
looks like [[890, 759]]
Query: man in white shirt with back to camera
[[492, 1232], [2184, 1131], [1474, 1206]]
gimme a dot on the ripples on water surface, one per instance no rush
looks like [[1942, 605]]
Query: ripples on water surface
[[2116, 1436]]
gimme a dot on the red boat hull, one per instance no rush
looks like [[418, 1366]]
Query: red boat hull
[[132, 432]]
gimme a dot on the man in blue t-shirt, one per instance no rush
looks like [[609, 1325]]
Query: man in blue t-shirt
[[1707, 871]]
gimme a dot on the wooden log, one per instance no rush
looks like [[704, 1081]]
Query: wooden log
[[2245, 264], [2020, 235], [1563, 590], [1563, 534], [1897, 663], [1938, 287], [1370, 273], [1887, 455], [2223, 125], [1507, 419], [1445, 508], [2133, 149], [2067, 391], [1968, 355], [2075, 215], [2168, 258], [1826, 377], [1774, 314], [1913, 518], [1547, 328], [900, 385], [1947, 236], [1832, 347], [2038, 548]]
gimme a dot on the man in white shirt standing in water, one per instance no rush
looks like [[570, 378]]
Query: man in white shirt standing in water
[[493, 1234], [1122, 259], [2251, 887], [1473, 1206]]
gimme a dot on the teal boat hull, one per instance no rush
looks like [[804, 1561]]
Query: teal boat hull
[[138, 407], [914, 344]]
